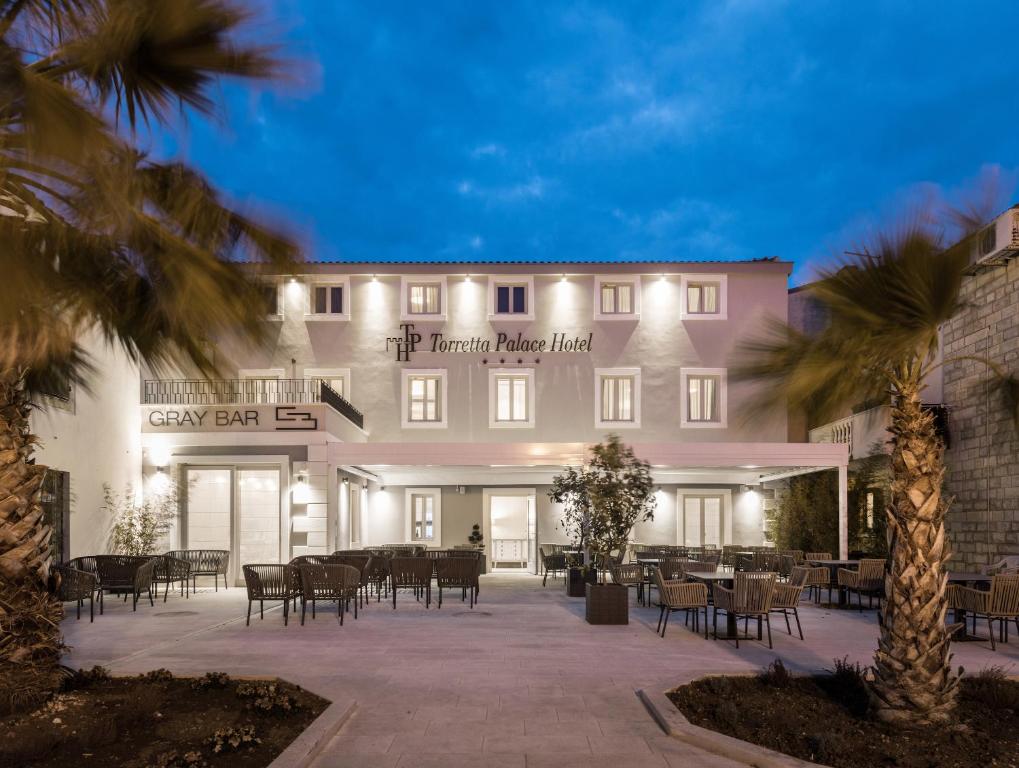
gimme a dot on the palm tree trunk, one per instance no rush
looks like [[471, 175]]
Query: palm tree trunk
[[30, 643], [913, 681]]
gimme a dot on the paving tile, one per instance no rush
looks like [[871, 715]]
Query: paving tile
[[562, 743], [445, 760]]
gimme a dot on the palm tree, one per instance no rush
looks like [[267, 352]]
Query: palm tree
[[99, 238], [884, 307]]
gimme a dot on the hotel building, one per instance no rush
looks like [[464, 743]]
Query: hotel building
[[408, 402]]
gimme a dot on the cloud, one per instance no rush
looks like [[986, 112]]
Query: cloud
[[488, 150], [533, 188]]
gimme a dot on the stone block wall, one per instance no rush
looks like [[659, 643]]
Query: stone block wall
[[983, 461]]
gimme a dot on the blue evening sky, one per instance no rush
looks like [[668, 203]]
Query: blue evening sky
[[582, 131]]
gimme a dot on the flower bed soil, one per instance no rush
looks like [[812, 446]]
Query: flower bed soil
[[159, 721], [824, 719]]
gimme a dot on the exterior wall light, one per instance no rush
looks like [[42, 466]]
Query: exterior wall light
[[301, 493]]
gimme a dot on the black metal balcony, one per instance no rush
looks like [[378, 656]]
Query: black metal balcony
[[248, 392]]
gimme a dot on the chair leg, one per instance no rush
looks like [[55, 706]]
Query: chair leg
[[286, 612], [668, 613], [705, 622], [261, 608], [248, 622], [990, 631], [789, 629], [304, 608], [661, 615], [796, 614], [767, 620], [91, 609]]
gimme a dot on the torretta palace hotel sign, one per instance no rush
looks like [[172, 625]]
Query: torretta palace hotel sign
[[412, 341]]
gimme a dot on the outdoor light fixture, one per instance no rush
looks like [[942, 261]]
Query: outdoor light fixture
[[375, 278], [563, 278], [467, 278], [301, 492]]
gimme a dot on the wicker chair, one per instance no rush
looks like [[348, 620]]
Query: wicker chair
[[414, 573], [271, 581], [1000, 604], [205, 562], [125, 575], [817, 556], [630, 575], [869, 579], [818, 578], [678, 595], [787, 597], [72, 585], [458, 573], [750, 598], [554, 563], [673, 567], [329, 582], [172, 570]]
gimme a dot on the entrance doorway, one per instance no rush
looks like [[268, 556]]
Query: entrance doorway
[[510, 528], [236, 508]]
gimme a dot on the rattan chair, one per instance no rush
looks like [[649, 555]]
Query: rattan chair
[[171, 570], [376, 574], [554, 563], [817, 556], [678, 595], [630, 575], [125, 575], [413, 573], [750, 598], [787, 597], [1000, 604], [205, 562], [458, 573], [72, 585], [329, 582], [869, 579], [271, 581], [818, 578]]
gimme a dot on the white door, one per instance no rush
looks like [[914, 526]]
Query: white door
[[702, 521], [691, 521], [258, 515], [713, 521], [209, 504], [511, 524]]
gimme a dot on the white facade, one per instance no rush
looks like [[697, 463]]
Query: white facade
[[457, 391]]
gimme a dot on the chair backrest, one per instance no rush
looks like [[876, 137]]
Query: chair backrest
[[270, 581], [817, 556], [410, 571], [1005, 594], [630, 573], [706, 566], [73, 583], [119, 570], [204, 561], [798, 576], [360, 562], [85, 563], [172, 568], [456, 571], [660, 580], [328, 580], [672, 567], [554, 561], [753, 591], [872, 573]]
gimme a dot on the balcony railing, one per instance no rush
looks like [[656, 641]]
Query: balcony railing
[[248, 392], [866, 432]]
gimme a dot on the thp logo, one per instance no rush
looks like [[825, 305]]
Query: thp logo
[[405, 345]]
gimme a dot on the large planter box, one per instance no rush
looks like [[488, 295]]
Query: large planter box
[[577, 580], [608, 604]]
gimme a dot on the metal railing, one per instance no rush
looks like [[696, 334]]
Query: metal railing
[[248, 392]]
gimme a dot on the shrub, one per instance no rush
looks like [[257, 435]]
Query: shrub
[[139, 527], [85, 678], [233, 739], [174, 759], [992, 689], [157, 676], [211, 680], [776, 675], [267, 698]]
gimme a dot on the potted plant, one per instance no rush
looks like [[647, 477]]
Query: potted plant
[[571, 490], [603, 500], [476, 537]]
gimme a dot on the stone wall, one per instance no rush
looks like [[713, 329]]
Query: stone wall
[[983, 461]]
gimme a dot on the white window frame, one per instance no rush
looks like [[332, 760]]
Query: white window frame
[[436, 494], [723, 296], [493, 400], [328, 281], [331, 373], [599, 374], [439, 373], [281, 297], [728, 511], [406, 281], [633, 281], [723, 398], [527, 281]]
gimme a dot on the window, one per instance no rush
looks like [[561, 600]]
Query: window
[[337, 379], [702, 520], [704, 297], [617, 397], [510, 298], [616, 297], [272, 298], [511, 398], [354, 509], [704, 397], [424, 515], [424, 397], [423, 298], [329, 299], [263, 385]]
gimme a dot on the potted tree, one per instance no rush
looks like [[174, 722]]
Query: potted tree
[[603, 502], [571, 490]]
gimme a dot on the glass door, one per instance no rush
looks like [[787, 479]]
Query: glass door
[[258, 515], [207, 521], [702, 521]]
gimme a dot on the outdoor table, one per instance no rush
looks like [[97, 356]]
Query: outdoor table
[[967, 579], [833, 574], [726, 580]]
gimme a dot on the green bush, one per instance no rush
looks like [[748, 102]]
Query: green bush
[[233, 739], [267, 698]]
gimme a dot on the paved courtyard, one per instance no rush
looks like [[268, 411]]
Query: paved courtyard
[[522, 680]]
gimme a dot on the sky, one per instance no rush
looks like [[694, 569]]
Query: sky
[[728, 129]]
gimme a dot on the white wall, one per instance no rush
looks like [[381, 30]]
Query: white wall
[[99, 442]]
